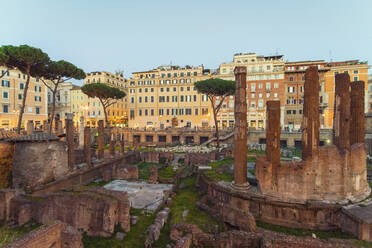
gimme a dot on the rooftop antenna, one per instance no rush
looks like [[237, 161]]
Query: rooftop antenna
[[330, 55]]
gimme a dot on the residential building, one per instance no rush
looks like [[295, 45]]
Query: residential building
[[63, 100], [369, 93], [294, 79], [265, 81], [12, 93], [166, 93], [358, 71], [91, 108]]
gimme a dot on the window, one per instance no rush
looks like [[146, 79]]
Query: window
[[195, 73], [140, 99], [253, 87], [174, 81], [196, 111], [275, 95], [5, 94], [140, 112], [146, 98], [188, 74], [194, 98], [260, 86], [356, 71], [21, 86], [181, 111], [5, 109], [152, 98], [175, 74], [355, 79], [268, 86], [37, 109], [152, 112], [168, 89], [19, 96], [253, 95], [146, 112], [5, 83], [181, 98], [161, 112], [276, 85], [188, 111], [291, 79], [132, 99], [174, 89]]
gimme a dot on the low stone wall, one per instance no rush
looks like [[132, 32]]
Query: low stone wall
[[79, 156], [95, 211], [117, 168], [200, 158], [56, 235], [6, 158], [157, 157], [295, 214], [234, 239]]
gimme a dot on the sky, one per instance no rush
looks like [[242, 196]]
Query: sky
[[138, 35]]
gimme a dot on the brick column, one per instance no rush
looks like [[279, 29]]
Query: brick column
[[112, 144], [357, 126], [341, 123], [101, 141], [87, 146], [30, 127], [240, 130], [310, 124], [81, 132], [121, 143], [70, 142], [273, 132]]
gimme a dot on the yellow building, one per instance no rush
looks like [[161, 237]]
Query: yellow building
[[167, 93], [91, 108], [357, 70], [12, 93], [265, 81]]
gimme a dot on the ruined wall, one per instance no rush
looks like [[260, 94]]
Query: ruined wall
[[6, 158], [93, 210], [37, 163], [115, 169], [237, 206], [56, 235], [157, 157], [200, 158], [329, 173]]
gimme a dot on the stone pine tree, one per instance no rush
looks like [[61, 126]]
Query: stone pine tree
[[4, 61], [28, 60], [107, 95], [212, 88], [55, 73]]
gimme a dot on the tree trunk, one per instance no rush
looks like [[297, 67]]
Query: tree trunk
[[104, 111], [215, 123], [24, 100], [53, 109]]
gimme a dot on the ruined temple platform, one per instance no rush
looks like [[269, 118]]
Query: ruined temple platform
[[142, 195]]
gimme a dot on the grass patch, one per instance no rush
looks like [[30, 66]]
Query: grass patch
[[8, 235], [97, 184], [303, 232], [220, 174], [167, 172], [256, 152], [362, 243], [186, 199], [251, 159], [252, 171], [144, 170]]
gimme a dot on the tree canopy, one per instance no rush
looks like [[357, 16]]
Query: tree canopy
[[56, 72], [28, 60], [106, 94], [216, 87]]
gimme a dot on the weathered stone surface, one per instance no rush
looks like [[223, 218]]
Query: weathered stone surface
[[240, 127], [310, 123], [37, 163], [357, 126], [342, 113], [87, 149], [200, 158], [273, 132], [6, 196], [70, 143], [153, 231], [153, 175], [56, 235], [6, 159], [94, 210]]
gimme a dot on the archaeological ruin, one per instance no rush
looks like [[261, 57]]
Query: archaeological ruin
[[114, 187]]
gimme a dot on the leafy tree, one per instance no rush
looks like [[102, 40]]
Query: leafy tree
[[107, 95], [212, 88], [55, 73], [28, 60]]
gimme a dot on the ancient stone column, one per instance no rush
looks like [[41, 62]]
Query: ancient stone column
[[87, 146], [342, 116], [310, 124], [121, 143], [70, 143], [112, 144], [240, 129], [357, 126], [59, 127], [273, 132], [81, 132], [101, 141], [30, 127], [45, 126]]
